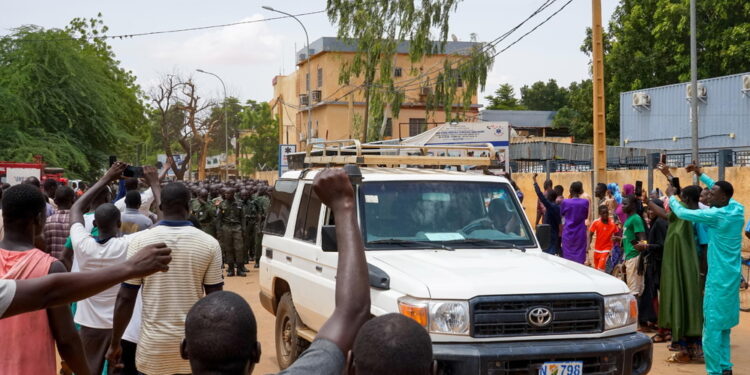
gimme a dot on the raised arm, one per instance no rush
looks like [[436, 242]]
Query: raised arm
[[352, 281], [658, 210], [547, 204], [152, 179], [706, 216], [76, 212], [62, 288]]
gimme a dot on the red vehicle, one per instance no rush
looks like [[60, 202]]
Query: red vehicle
[[15, 172]]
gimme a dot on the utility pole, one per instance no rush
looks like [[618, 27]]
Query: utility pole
[[694, 85], [600, 130]]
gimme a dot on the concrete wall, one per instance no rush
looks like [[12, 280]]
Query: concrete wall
[[738, 176], [271, 176]]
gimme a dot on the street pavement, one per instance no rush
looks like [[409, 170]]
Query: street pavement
[[248, 288]]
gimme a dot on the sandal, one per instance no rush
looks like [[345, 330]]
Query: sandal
[[696, 353], [680, 357], [659, 338]]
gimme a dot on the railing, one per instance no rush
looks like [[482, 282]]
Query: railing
[[680, 160]]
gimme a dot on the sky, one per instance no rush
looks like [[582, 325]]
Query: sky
[[248, 56]]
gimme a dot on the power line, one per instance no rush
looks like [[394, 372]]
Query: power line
[[133, 35]]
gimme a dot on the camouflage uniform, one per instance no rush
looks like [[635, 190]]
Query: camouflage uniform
[[230, 225], [249, 215], [261, 203], [205, 213]]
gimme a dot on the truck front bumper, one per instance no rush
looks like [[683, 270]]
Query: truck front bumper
[[629, 354]]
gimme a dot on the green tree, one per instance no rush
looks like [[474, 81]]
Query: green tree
[[541, 96], [577, 114], [63, 95], [263, 141], [378, 27], [234, 114], [647, 44], [504, 98]]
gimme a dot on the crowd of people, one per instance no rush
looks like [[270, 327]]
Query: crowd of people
[[105, 248], [677, 249]]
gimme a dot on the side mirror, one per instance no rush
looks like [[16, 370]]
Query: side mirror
[[328, 240], [543, 235]]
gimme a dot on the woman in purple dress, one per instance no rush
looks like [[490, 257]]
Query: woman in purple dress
[[574, 210]]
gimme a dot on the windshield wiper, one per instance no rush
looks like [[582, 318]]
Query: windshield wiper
[[397, 241], [486, 242]]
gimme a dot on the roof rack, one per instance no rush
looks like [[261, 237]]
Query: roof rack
[[352, 151]]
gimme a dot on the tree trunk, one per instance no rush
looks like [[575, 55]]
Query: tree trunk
[[367, 114], [202, 160]]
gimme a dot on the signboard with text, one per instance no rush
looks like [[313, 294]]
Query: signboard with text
[[284, 151]]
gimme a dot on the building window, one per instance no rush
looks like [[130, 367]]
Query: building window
[[307, 81], [320, 77], [459, 82], [388, 132], [416, 126], [397, 72]]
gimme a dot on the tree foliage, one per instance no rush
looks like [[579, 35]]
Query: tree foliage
[[378, 27], [263, 141], [63, 95], [648, 44], [504, 98], [544, 96]]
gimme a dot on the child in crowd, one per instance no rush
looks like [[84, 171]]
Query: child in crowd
[[605, 230]]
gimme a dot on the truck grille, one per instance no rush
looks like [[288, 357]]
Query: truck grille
[[500, 316], [591, 366]]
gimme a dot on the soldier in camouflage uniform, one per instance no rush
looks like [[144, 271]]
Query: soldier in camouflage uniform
[[205, 212], [261, 202], [248, 225], [230, 224]]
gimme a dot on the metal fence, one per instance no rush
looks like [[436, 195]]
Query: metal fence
[[707, 159]]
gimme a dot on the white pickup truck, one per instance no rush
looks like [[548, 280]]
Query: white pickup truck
[[456, 252]]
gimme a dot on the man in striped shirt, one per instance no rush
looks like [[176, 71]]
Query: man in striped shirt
[[194, 272]]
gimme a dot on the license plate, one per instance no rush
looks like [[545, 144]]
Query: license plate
[[561, 368]]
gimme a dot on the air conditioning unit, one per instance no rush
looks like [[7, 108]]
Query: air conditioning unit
[[303, 99], [746, 83], [641, 100], [316, 96], [302, 136], [301, 57], [425, 91], [702, 92]]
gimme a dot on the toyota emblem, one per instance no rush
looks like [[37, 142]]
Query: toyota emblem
[[539, 317]]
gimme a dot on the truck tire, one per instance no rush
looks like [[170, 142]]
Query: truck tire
[[288, 345]]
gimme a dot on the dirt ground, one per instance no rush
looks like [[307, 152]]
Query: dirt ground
[[248, 288]]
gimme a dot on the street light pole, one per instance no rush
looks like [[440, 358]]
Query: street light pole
[[309, 75], [226, 124], [694, 85]]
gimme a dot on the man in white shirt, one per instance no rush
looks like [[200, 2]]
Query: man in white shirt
[[94, 314], [194, 272], [147, 197]]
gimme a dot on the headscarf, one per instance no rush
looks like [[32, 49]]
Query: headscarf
[[615, 190], [628, 189]]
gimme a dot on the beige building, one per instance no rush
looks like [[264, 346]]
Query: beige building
[[337, 107]]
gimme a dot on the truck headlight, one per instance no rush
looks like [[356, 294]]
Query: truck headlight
[[441, 317], [620, 311]]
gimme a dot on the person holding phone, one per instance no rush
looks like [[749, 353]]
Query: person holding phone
[[634, 233], [725, 221]]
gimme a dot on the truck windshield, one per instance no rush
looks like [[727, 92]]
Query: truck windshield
[[457, 214]]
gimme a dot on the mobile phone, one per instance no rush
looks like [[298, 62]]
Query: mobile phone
[[663, 158], [112, 159], [131, 171], [676, 184], [638, 189], [634, 242]]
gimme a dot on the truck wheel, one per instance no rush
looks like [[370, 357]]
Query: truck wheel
[[288, 345]]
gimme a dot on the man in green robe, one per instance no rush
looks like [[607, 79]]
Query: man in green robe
[[721, 304]]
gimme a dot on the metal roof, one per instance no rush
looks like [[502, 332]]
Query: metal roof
[[723, 116], [333, 44], [520, 119]]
